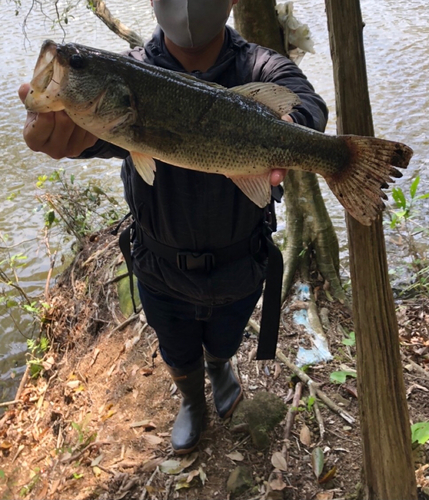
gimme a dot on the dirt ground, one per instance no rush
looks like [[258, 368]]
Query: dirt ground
[[96, 424]]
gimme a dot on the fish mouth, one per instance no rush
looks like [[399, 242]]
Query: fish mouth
[[45, 87]]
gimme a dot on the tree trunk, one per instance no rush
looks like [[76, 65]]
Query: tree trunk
[[257, 22], [385, 428]]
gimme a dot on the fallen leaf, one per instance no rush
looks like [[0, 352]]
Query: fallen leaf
[[277, 484], [305, 436], [147, 424], [151, 465], [203, 475], [108, 415], [236, 456], [182, 483], [97, 460], [277, 370], [328, 476], [171, 467], [325, 495], [279, 461], [194, 473], [252, 354], [97, 471], [73, 384], [317, 461], [189, 460], [5, 445], [48, 363], [153, 440]]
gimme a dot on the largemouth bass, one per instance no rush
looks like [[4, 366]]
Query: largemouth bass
[[155, 113]]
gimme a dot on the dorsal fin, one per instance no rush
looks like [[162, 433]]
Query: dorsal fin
[[279, 99]]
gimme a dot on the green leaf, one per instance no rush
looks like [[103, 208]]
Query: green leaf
[[420, 432], [399, 197], [423, 196], [341, 376], [414, 185], [351, 340]]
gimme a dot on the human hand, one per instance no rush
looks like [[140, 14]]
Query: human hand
[[54, 133], [278, 175]]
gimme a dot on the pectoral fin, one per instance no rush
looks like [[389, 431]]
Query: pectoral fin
[[280, 99], [256, 188], [145, 166]]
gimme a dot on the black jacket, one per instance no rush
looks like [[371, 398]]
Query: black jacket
[[201, 212]]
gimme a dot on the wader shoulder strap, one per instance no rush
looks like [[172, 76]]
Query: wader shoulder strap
[[271, 306], [125, 246]]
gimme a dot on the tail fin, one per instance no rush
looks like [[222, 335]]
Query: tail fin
[[358, 186]]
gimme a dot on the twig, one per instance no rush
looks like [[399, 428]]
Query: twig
[[23, 382], [320, 394], [317, 410], [143, 495], [126, 322], [99, 253], [10, 403], [292, 410], [116, 278]]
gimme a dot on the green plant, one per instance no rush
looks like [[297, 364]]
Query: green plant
[[410, 235], [79, 208], [340, 377], [420, 432], [350, 339], [37, 349]]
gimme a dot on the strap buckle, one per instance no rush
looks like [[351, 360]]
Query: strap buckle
[[188, 261]]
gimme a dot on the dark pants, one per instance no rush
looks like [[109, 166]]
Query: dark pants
[[184, 328]]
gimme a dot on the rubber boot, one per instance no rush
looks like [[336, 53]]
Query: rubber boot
[[227, 391], [189, 421]]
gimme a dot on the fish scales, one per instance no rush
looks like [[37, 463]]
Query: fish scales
[[156, 113]]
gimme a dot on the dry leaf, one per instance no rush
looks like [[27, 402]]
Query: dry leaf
[[328, 476], [325, 495], [277, 484], [192, 474], [305, 436], [317, 461], [73, 384], [189, 460], [277, 370], [147, 424], [5, 445], [153, 440], [252, 354], [171, 467], [96, 470], [279, 461], [236, 456], [48, 363]]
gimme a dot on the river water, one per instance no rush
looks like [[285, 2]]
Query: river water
[[397, 52]]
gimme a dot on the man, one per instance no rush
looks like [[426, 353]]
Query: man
[[199, 251]]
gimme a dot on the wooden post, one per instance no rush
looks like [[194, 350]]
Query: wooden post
[[385, 427]]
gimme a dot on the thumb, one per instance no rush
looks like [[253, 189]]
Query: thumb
[[23, 91]]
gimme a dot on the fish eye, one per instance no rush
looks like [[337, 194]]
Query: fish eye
[[77, 61]]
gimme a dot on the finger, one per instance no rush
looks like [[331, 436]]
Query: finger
[[58, 142], [287, 118], [23, 91], [277, 176], [79, 141], [37, 129]]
